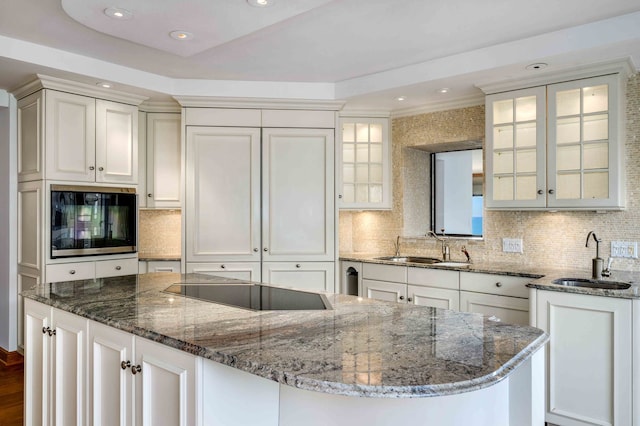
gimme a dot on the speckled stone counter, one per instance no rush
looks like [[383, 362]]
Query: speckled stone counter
[[541, 278], [361, 347]]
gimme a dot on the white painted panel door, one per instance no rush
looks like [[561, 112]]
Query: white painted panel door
[[434, 297], [111, 393], [163, 160], [248, 271], [116, 142], [70, 136], [512, 310], [223, 194], [69, 369], [384, 290], [165, 385], [317, 276], [588, 358], [31, 137], [297, 194], [37, 363]]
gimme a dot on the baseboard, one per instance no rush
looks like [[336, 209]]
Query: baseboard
[[9, 359]]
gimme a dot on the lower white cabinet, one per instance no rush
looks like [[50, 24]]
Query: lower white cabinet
[[512, 310], [88, 270], [589, 358], [55, 347], [434, 297], [81, 372], [384, 290], [316, 276], [248, 271], [158, 266]]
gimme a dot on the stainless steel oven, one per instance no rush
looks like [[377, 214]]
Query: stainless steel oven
[[88, 220]]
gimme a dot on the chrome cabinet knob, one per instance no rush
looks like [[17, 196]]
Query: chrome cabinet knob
[[498, 284], [256, 249], [222, 266], [409, 299], [540, 191], [551, 191], [265, 249], [149, 195], [401, 297], [298, 265], [44, 330], [91, 168], [72, 272], [135, 369], [118, 268], [101, 168]]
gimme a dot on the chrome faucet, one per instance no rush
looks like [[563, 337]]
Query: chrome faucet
[[446, 254], [596, 262]]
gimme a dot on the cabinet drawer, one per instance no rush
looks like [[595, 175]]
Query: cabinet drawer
[[504, 285], [434, 278], [248, 271], [71, 271], [374, 271], [114, 268]]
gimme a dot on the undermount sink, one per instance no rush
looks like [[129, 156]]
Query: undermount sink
[[590, 283], [410, 259]]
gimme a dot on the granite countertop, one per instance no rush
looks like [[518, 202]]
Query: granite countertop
[[360, 347], [541, 278]]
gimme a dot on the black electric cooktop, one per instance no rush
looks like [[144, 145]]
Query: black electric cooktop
[[256, 297]]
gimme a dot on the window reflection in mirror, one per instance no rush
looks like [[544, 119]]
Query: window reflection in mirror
[[456, 191]]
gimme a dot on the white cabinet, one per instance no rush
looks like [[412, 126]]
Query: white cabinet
[[250, 201], [589, 357], [158, 266], [163, 160], [316, 276], [384, 290], [556, 147], [86, 270], [365, 163], [69, 137], [503, 297], [248, 271], [55, 366]]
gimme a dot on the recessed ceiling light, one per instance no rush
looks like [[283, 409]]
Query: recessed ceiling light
[[104, 85], [181, 35], [401, 98], [444, 90], [261, 3], [536, 66], [118, 13]]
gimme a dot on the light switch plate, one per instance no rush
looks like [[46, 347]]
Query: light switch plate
[[624, 249], [512, 245]]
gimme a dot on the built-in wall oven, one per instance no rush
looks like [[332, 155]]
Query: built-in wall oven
[[88, 220]]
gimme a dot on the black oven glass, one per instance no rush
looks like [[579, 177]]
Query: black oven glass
[[92, 221]]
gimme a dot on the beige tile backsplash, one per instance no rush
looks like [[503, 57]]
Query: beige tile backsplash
[[159, 233], [550, 239]]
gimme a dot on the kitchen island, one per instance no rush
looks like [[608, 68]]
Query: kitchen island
[[360, 362]]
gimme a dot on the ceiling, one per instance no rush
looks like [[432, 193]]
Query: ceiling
[[367, 53]]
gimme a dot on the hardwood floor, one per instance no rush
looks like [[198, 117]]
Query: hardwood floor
[[11, 395]]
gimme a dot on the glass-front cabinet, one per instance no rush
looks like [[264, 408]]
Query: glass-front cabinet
[[555, 147], [365, 163]]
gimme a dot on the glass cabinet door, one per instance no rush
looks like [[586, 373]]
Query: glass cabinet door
[[582, 143], [515, 153]]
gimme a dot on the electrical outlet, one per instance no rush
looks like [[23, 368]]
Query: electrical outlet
[[624, 249], [512, 245]]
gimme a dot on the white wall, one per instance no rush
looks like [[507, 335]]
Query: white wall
[[8, 222]]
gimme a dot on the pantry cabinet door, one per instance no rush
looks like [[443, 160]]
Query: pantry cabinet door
[[70, 137], [223, 194], [298, 194]]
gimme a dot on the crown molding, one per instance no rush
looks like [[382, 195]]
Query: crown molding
[[160, 106], [465, 102], [258, 103], [47, 82], [624, 67]]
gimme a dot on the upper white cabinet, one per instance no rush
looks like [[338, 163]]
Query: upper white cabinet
[[163, 160], [64, 136], [365, 163], [556, 147]]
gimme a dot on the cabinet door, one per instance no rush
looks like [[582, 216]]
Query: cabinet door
[[69, 369], [512, 310], [297, 195], [70, 136], [248, 271], [583, 148], [434, 297], [111, 393], [163, 160], [165, 386], [317, 276], [37, 365], [31, 137], [515, 149], [116, 142], [588, 358], [223, 194], [384, 290]]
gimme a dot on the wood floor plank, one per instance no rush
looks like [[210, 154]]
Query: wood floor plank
[[11, 395]]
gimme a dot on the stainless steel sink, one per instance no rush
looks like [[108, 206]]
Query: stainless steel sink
[[589, 283], [410, 259]]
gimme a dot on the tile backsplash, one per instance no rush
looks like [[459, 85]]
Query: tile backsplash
[[550, 239], [159, 233]]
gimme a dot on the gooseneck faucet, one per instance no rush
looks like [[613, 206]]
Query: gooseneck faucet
[[446, 256], [596, 262]]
